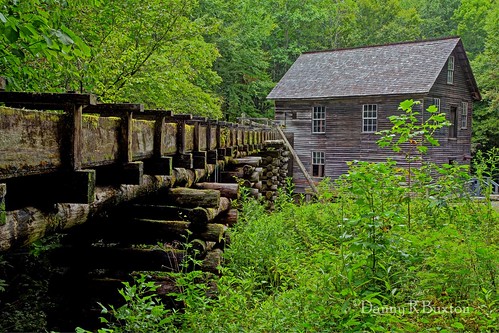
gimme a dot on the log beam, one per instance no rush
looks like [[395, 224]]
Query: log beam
[[229, 218], [191, 198], [157, 229], [200, 217], [228, 190], [28, 224]]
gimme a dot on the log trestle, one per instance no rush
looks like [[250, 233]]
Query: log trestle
[[132, 189]]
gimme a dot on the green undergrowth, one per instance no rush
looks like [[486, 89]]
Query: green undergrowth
[[348, 262], [353, 265]]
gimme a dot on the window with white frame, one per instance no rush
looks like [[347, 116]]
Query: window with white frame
[[369, 118], [464, 115], [436, 102], [450, 70], [319, 119], [318, 163]]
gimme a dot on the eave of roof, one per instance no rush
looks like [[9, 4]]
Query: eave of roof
[[388, 69]]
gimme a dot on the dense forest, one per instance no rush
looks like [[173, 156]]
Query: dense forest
[[221, 58]]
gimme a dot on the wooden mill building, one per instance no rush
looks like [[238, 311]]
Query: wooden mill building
[[333, 102]]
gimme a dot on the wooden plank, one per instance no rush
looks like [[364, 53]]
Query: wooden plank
[[113, 109], [3, 193], [46, 101]]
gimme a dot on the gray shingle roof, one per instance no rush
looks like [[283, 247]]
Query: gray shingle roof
[[376, 70]]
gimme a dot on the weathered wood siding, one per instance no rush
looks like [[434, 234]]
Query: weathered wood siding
[[459, 148], [344, 140]]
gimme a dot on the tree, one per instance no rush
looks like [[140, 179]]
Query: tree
[[34, 42], [385, 21], [486, 114], [148, 52], [470, 18], [436, 16], [243, 63]]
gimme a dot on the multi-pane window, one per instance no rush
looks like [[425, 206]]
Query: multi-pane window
[[436, 102], [464, 115], [450, 70], [453, 122], [319, 119], [369, 118], [318, 162]]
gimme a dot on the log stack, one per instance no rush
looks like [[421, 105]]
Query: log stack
[[201, 216], [275, 160], [246, 172]]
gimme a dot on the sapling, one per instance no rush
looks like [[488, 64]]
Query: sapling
[[410, 135]]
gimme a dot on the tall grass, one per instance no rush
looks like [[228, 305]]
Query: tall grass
[[352, 265]]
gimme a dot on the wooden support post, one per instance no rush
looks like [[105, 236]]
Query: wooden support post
[[219, 135], [126, 137], [132, 173], [79, 189], [229, 151], [158, 137], [162, 166], [182, 159], [212, 157], [196, 137], [74, 120], [221, 154], [297, 159], [211, 135], [3, 214], [199, 159]]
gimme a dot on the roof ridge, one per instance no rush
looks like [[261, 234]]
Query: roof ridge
[[386, 44]]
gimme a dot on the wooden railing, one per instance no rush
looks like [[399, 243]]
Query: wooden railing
[[69, 133]]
